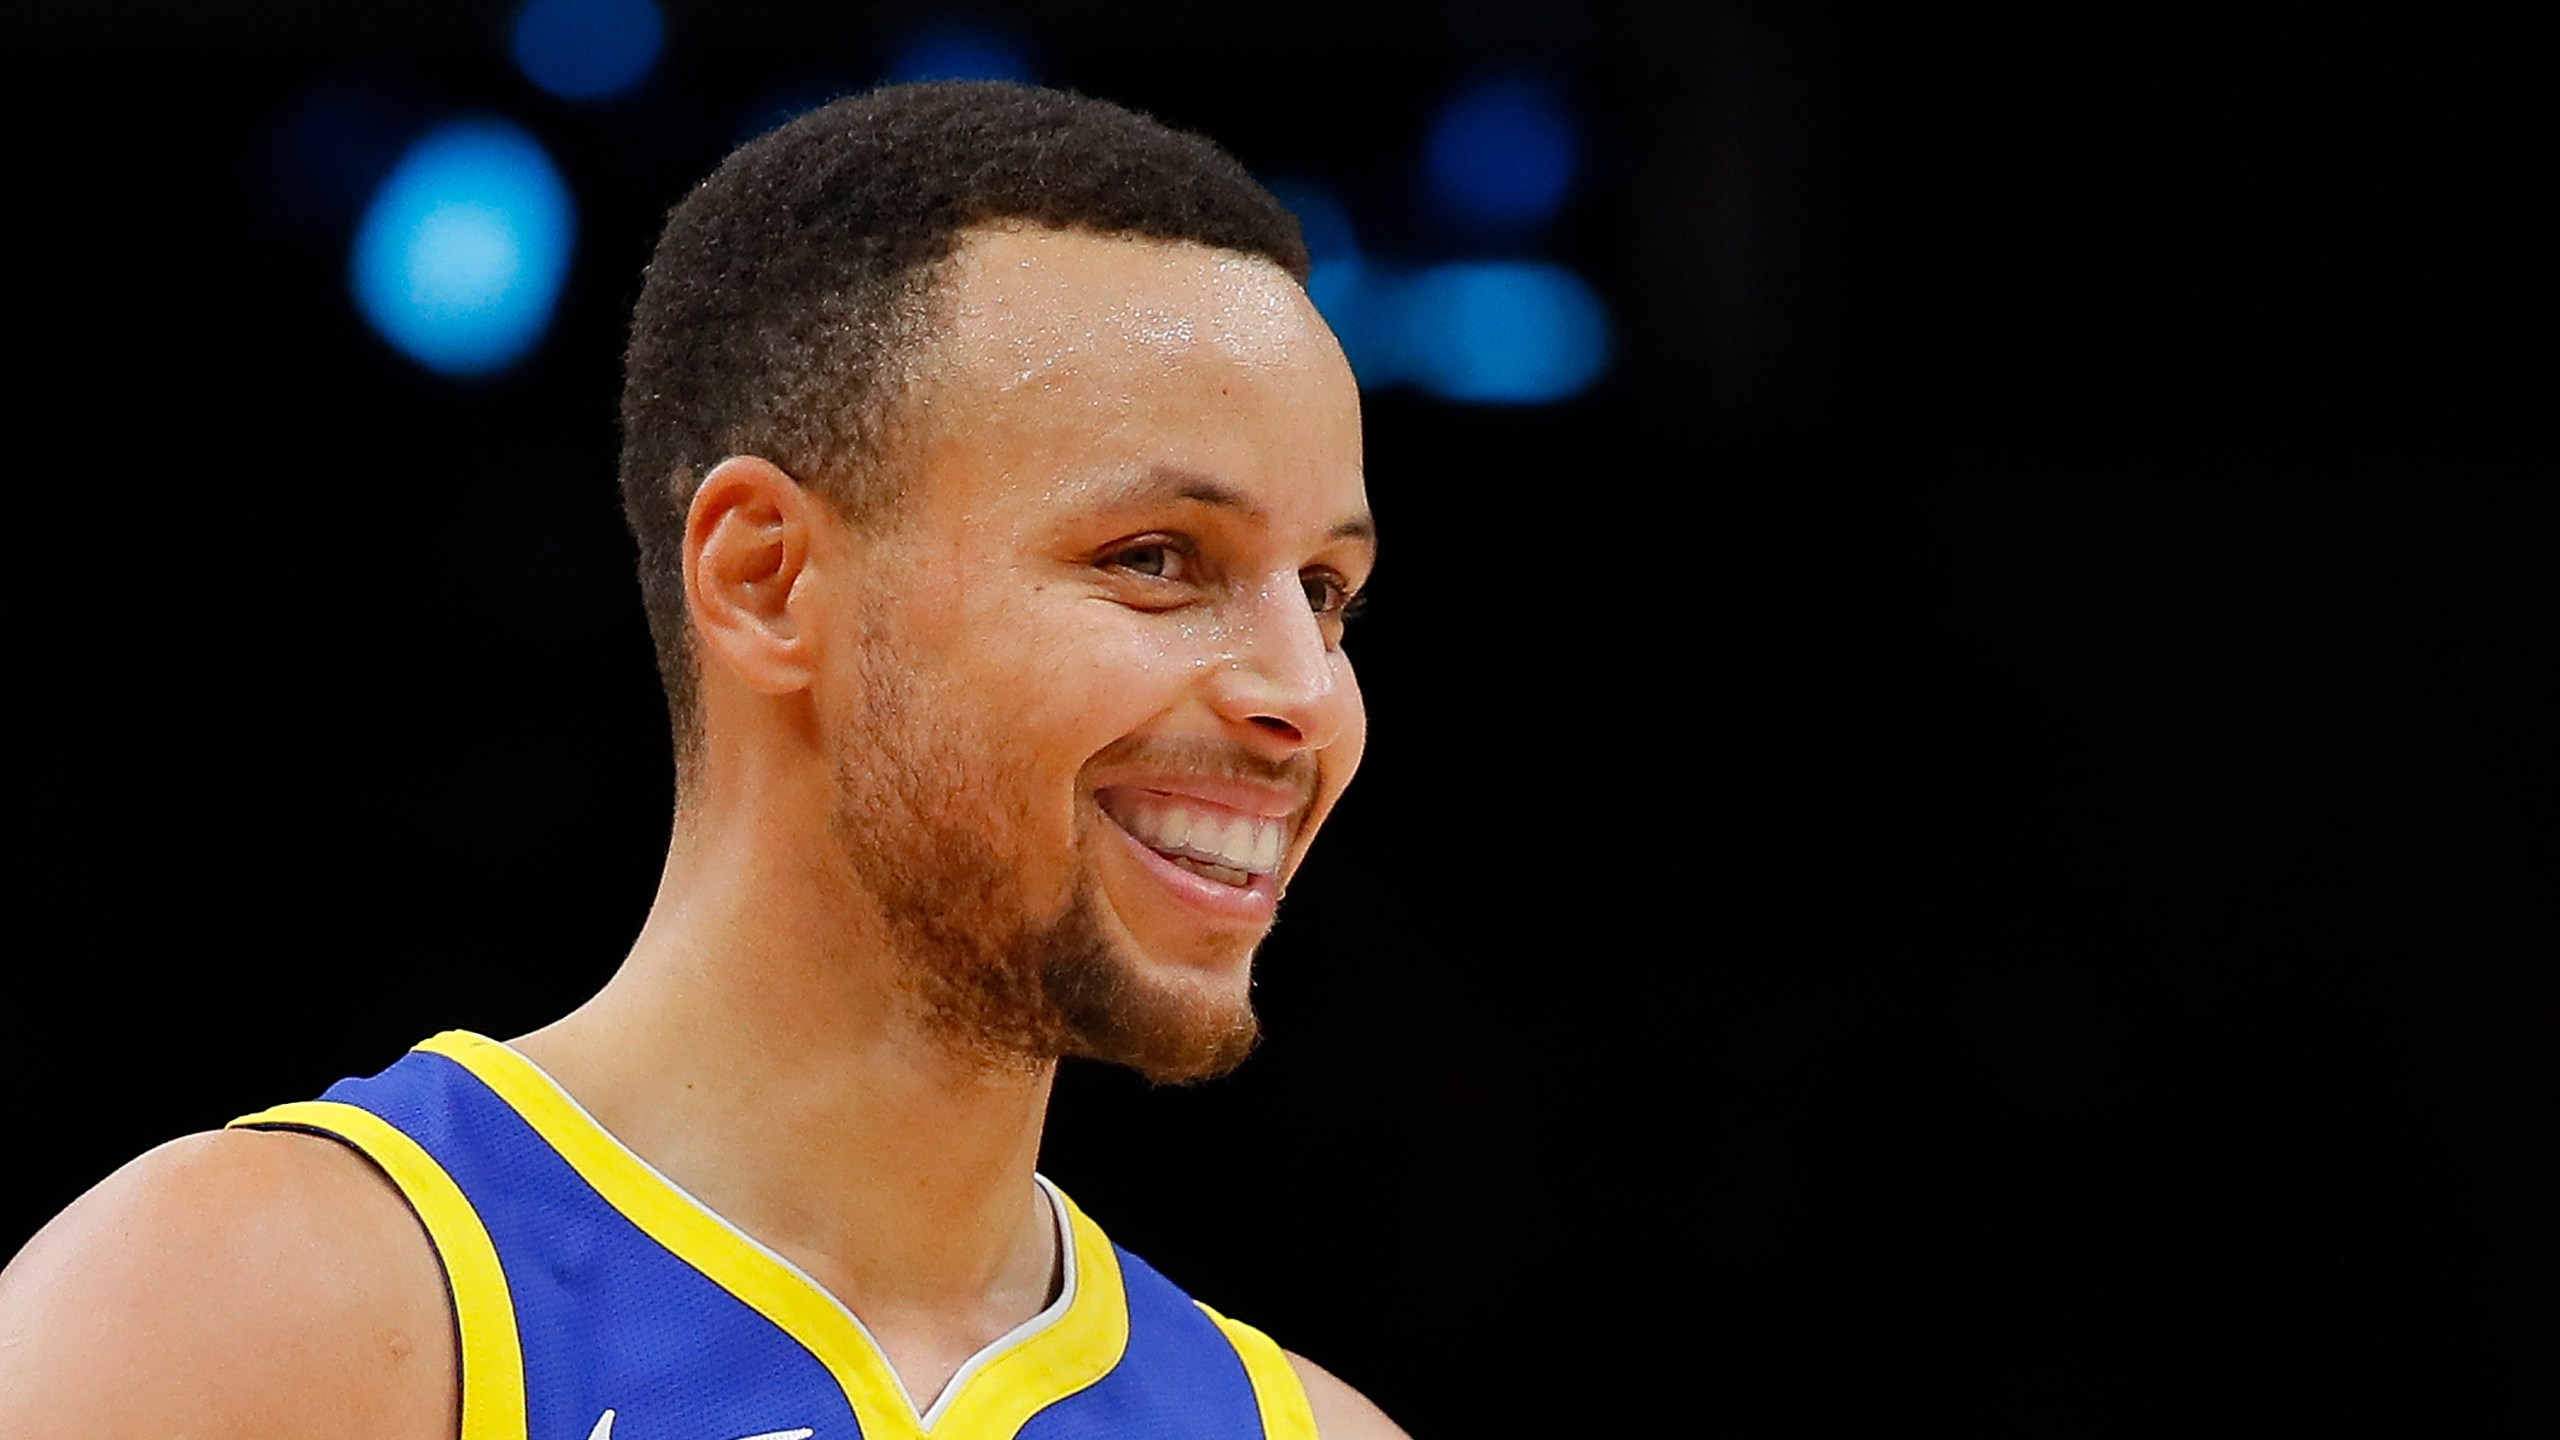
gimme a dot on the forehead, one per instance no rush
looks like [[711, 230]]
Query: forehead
[[1064, 359], [1027, 299]]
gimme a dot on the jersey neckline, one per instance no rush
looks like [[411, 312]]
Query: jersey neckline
[[1068, 1346]]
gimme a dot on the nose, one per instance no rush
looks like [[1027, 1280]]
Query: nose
[[1279, 684]]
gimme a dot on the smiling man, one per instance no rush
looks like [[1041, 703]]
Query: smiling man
[[999, 502]]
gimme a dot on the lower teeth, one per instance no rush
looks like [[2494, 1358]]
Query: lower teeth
[[1220, 873]]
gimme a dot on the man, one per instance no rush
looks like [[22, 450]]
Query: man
[[999, 504]]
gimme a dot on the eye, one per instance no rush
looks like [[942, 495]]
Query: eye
[[1329, 595], [1150, 559]]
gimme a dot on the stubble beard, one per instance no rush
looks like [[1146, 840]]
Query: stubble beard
[[1001, 987]]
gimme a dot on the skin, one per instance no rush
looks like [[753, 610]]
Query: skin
[[1140, 507]]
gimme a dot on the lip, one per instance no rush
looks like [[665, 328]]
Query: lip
[[1251, 904], [1261, 800]]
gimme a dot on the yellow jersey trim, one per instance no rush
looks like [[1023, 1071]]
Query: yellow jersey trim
[[484, 1313], [1277, 1390], [1043, 1368], [1009, 1387]]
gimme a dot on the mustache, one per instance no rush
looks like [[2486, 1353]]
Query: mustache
[[1217, 759]]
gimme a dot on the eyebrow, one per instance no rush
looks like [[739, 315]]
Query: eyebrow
[[1166, 482]]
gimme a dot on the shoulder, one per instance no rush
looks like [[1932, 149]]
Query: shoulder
[[235, 1283], [1341, 1412], [1332, 1408]]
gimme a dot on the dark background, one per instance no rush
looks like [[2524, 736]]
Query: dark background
[[1945, 845]]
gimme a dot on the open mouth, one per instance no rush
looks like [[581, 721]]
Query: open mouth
[[1212, 842]]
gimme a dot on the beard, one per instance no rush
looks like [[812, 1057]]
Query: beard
[[1005, 988]]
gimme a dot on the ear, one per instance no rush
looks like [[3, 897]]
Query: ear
[[746, 546]]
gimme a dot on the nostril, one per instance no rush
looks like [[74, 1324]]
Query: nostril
[[1279, 727]]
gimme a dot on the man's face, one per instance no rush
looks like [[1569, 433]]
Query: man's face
[[1100, 704]]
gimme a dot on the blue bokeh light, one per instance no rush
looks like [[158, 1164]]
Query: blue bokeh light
[[588, 49], [1364, 302], [959, 52], [1502, 153], [1510, 332], [460, 256]]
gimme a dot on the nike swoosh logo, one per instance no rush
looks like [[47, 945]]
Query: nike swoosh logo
[[604, 1431]]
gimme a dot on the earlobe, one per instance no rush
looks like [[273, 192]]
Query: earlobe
[[746, 546]]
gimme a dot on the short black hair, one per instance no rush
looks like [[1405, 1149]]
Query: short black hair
[[788, 287]]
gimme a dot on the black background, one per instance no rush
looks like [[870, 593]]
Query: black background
[[1946, 845]]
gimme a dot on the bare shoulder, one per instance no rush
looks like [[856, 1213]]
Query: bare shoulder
[[1342, 1413], [238, 1283]]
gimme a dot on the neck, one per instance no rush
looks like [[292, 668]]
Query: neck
[[757, 1049]]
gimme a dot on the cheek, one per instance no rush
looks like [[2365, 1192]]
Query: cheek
[[1089, 673]]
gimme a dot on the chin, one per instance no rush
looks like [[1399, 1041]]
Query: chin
[[1020, 996], [1172, 1023]]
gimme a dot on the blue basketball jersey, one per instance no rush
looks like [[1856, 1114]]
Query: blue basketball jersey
[[594, 1300]]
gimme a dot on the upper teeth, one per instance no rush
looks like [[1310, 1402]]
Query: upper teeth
[[1215, 837]]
